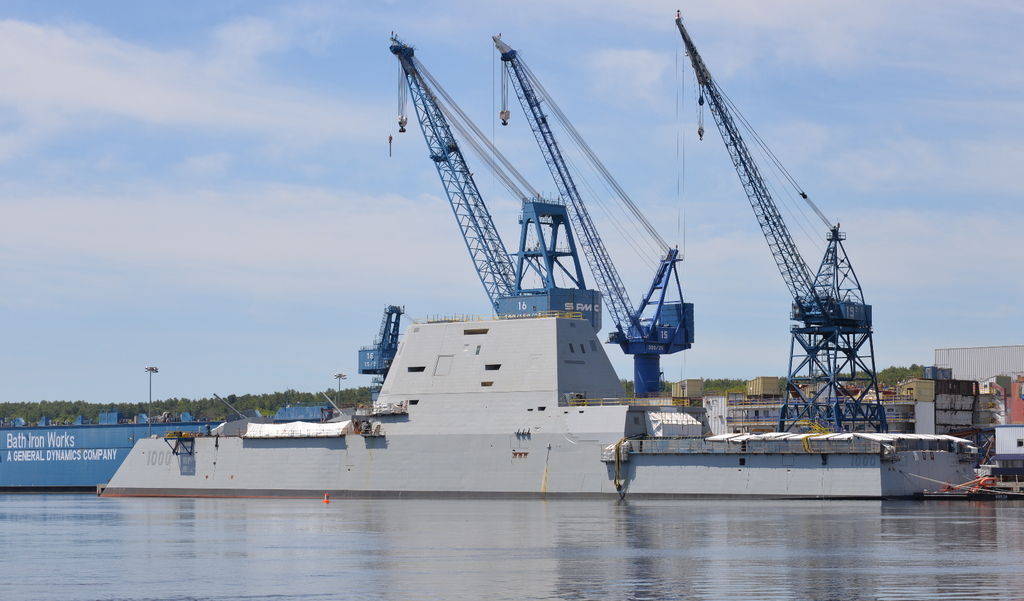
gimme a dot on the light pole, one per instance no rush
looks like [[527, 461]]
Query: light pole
[[149, 418], [340, 378]]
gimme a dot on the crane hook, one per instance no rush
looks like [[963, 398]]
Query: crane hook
[[700, 132], [700, 100], [390, 138]]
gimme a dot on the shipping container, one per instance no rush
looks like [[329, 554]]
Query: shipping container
[[919, 390], [955, 402], [763, 386], [692, 388]]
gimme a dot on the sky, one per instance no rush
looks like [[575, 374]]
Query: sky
[[207, 187]]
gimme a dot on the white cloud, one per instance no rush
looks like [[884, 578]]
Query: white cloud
[[208, 164], [958, 164], [628, 75], [271, 240], [243, 42], [74, 78]]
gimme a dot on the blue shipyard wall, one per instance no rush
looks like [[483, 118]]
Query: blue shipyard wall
[[72, 456]]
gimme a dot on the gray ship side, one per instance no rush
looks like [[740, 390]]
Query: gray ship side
[[529, 408]]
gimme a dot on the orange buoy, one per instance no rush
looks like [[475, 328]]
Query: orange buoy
[[327, 497]]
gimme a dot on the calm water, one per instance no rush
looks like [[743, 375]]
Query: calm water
[[83, 547]]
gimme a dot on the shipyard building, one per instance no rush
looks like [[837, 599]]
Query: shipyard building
[[967, 388]]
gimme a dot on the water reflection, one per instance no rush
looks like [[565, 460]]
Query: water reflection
[[462, 549]]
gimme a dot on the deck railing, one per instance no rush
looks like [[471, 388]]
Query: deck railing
[[809, 445], [666, 446], [492, 317]]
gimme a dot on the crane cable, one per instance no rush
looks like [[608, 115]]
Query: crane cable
[[593, 160], [403, 102], [620, 225], [476, 139], [680, 186], [576, 174], [772, 159], [656, 247]]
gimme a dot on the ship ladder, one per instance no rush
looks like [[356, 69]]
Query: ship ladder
[[620, 483]]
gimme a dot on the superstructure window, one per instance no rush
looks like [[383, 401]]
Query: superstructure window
[[476, 332], [493, 367], [571, 350], [487, 383], [418, 368]]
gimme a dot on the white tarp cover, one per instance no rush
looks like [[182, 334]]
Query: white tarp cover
[[298, 430], [672, 424], [883, 438], [721, 437]]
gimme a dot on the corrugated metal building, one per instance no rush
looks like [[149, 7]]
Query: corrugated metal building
[[982, 363]]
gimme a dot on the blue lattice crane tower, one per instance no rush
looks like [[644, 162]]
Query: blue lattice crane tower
[[376, 359], [662, 323], [547, 250], [832, 380]]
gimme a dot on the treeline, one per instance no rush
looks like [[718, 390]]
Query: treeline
[[888, 377], [205, 408], [725, 385], [891, 376], [268, 404], [710, 385]]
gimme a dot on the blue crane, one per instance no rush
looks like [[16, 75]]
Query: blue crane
[[547, 249], [659, 325], [376, 360], [832, 380]]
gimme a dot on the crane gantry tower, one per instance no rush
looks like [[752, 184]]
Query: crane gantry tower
[[832, 380]]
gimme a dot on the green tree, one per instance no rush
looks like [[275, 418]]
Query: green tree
[[893, 375], [723, 385], [206, 408]]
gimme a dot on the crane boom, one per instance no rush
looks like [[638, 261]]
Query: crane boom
[[547, 249], [787, 256], [658, 326], [493, 265], [832, 380], [608, 281]]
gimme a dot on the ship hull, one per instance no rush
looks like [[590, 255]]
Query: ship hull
[[487, 467]]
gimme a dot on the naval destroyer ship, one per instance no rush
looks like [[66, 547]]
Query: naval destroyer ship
[[528, 407]]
